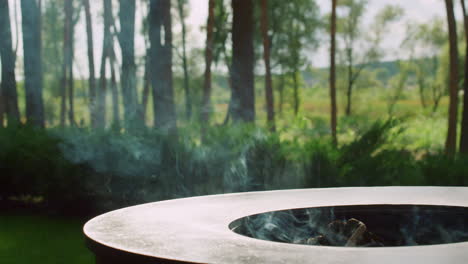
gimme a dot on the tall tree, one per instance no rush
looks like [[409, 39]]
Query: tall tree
[[2, 108], [67, 67], [397, 84], [451, 141], [333, 113], [114, 86], [425, 42], [31, 24], [294, 26], [269, 97], [63, 88], [91, 68], [222, 52], [243, 96], [160, 34], [146, 88], [146, 78], [181, 10], [8, 93], [53, 18], [206, 103], [362, 46], [464, 126], [127, 45], [74, 17], [105, 57], [350, 32]]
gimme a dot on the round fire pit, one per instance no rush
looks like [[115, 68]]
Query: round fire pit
[[340, 225]]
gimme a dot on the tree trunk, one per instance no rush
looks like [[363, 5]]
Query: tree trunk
[[269, 97], [102, 93], [243, 100], [68, 60], [296, 93], [2, 108], [8, 90], [281, 93], [451, 142], [115, 93], [229, 79], [188, 100], [31, 25], [422, 86], [128, 77], [333, 110], [113, 81], [71, 93], [206, 104], [464, 125], [161, 65], [92, 76], [348, 99], [349, 90], [106, 49], [63, 87], [146, 88]]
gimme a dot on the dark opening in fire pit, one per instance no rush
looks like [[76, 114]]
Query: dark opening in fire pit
[[359, 226]]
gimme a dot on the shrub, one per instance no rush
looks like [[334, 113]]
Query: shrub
[[88, 171]]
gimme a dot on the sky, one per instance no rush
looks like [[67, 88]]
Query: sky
[[415, 11]]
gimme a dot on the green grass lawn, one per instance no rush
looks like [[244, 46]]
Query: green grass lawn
[[29, 238]]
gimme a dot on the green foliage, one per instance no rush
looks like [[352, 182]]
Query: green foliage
[[222, 26], [320, 164], [31, 163], [427, 46], [265, 161], [371, 161], [443, 170], [366, 162], [91, 171], [348, 24], [295, 25]]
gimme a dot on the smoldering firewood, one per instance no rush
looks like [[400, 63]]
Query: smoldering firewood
[[358, 230], [335, 233], [349, 233], [371, 240], [320, 240]]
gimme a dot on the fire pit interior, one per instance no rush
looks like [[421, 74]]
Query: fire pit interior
[[359, 226]]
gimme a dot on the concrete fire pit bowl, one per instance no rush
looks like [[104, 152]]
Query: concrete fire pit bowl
[[198, 230]]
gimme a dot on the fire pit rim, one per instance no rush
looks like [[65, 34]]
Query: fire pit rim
[[211, 241]]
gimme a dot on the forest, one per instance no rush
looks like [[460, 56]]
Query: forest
[[111, 103]]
